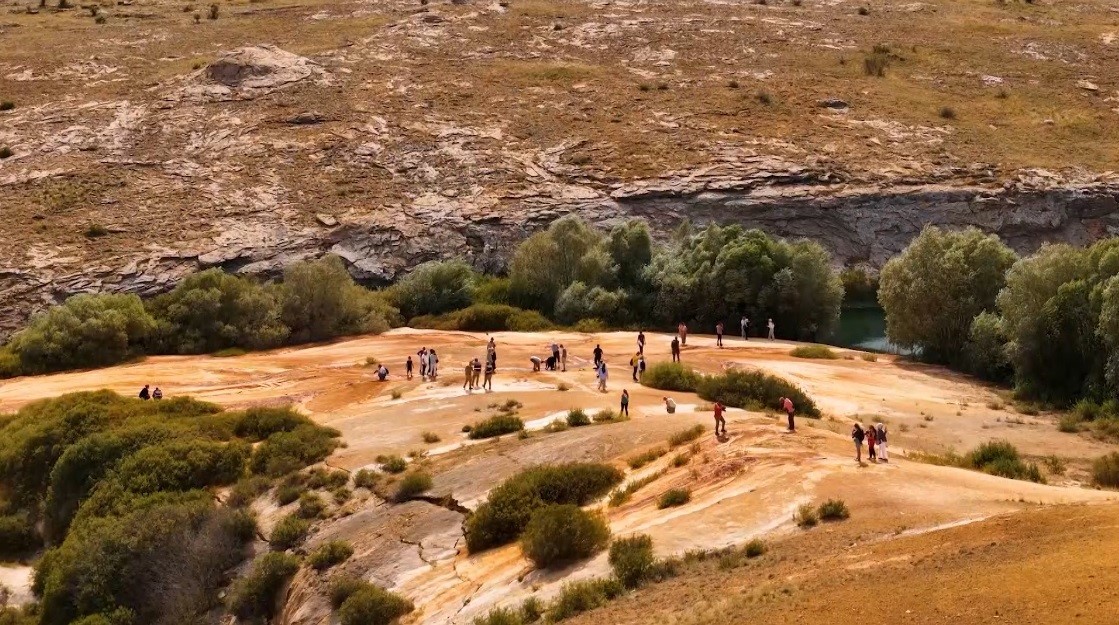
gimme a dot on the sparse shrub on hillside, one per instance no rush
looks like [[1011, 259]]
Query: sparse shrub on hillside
[[365, 478], [5, 152], [287, 492], [607, 415], [864, 11], [685, 436], [868, 357], [330, 554], [806, 516], [412, 485], [632, 560], [670, 376], [245, 491], [1001, 458], [645, 457], [288, 532], [430, 438], [319, 478], [814, 351], [1105, 470], [674, 497], [7, 105], [558, 534], [255, 597], [392, 464], [765, 98], [755, 548], [578, 597], [623, 495], [372, 605], [577, 417], [876, 63], [507, 510], [947, 112], [215, 11], [496, 426], [311, 506], [95, 231], [833, 510]]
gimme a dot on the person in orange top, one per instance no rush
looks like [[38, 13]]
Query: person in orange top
[[719, 420], [787, 406]]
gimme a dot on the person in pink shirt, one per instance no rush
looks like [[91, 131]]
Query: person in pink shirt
[[787, 406]]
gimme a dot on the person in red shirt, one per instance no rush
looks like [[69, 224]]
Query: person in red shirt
[[787, 406], [871, 439], [719, 420]]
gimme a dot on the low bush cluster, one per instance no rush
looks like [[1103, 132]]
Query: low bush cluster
[[632, 560], [645, 457], [330, 554], [674, 497], [1001, 458], [288, 532], [671, 376], [685, 436], [577, 417], [1105, 470], [496, 425], [362, 603], [509, 507], [737, 388], [255, 596], [558, 534], [808, 516], [412, 485], [822, 352]]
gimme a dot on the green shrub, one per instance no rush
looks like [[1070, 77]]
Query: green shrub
[[365, 478], [754, 390], [674, 497], [245, 491], [576, 417], [257, 424], [529, 321], [255, 596], [1001, 458], [491, 290], [868, 357], [311, 506], [322, 479], [392, 464], [681, 460], [320, 301], [833, 510], [7, 105], [85, 331], [607, 415], [371, 605], [289, 532], [671, 376], [17, 536], [413, 484], [632, 559], [814, 351], [590, 326], [330, 554], [558, 534], [434, 287], [430, 438], [557, 425], [578, 597], [806, 516], [10, 366], [485, 318], [622, 495], [289, 492], [754, 548], [644, 458], [342, 495], [284, 452], [182, 465], [1105, 470], [500, 616], [507, 510], [685, 436], [496, 426], [213, 310], [532, 610]]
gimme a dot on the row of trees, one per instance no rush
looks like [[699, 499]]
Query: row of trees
[[1048, 323], [206, 312]]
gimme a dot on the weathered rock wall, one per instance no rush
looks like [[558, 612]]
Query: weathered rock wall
[[858, 225]]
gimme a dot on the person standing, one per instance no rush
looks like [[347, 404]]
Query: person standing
[[772, 327], [883, 453], [422, 354], [157, 394], [720, 420], [597, 356], [675, 349], [432, 363], [476, 378], [745, 327], [787, 406], [635, 362], [487, 383], [719, 334], [563, 356], [641, 342], [145, 394], [469, 375], [602, 375], [857, 435], [408, 367], [640, 368], [625, 403], [871, 435], [682, 331], [556, 354]]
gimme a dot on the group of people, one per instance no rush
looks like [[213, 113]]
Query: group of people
[[429, 365], [875, 438], [146, 393], [556, 362]]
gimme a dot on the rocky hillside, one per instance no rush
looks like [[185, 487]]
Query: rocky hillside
[[148, 140]]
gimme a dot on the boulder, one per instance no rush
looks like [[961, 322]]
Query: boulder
[[261, 68]]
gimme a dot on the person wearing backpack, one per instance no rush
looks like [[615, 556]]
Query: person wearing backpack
[[857, 435]]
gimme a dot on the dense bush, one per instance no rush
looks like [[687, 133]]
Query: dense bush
[[257, 424], [412, 485], [284, 452], [933, 289], [311, 506], [632, 560], [833, 510], [558, 534], [582, 596], [321, 301], [365, 478], [1001, 458], [485, 318], [509, 507], [17, 536], [330, 554], [213, 310], [1105, 470], [435, 287], [85, 331], [806, 516], [371, 605], [674, 497], [288, 532], [671, 376], [577, 417], [822, 352], [578, 301], [754, 390], [496, 426], [255, 597]]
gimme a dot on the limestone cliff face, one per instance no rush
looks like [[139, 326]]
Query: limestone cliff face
[[858, 224]]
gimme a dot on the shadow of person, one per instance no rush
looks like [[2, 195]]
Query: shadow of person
[[722, 438]]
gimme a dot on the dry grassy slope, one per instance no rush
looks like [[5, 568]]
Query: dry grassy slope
[[458, 98]]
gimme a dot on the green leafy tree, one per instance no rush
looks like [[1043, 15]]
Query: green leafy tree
[[85, 331], [321, 301], [213, 310], [548, 262], [435, 287], [933, 290]]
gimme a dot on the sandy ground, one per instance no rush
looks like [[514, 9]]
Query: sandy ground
[[744, 487]]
